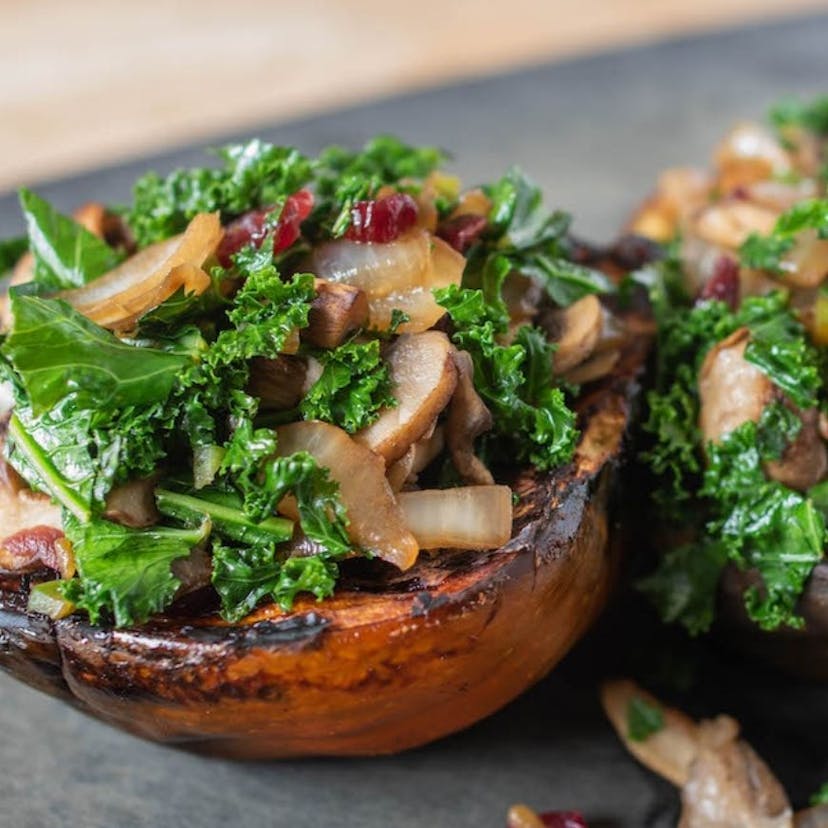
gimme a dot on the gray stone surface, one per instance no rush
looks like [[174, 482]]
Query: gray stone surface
[[594, 132]]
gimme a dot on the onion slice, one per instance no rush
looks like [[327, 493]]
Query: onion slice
[[467, 517], [398, 275], [119, 298], [376, 521]]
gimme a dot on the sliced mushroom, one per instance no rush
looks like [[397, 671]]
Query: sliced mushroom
[[805, 461], [576, 331], [424, 377], [194, 571], [133, 503], [468, 418], [278, 383], [337, 311], [731, 389], [522, 296], [418, 457]]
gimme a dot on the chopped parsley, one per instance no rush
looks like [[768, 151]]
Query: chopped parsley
[[643, 719]]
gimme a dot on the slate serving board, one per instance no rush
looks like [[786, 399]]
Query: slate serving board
[[594, 132]]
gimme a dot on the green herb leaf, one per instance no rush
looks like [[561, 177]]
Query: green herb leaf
[[643, 719], [66, 254]]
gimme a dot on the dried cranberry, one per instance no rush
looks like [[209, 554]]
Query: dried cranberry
[[383, 219], [563, 819], [723, 283], [253, 226], [462, 232]]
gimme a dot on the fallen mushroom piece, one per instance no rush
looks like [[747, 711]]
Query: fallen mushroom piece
[[669, 751], [731, 389], [468, 418], [118, 298], [467, 517], [816, 817], [337, 311], [731, 787], [576, 331], [376, 520], [725, 784], [424, 377]]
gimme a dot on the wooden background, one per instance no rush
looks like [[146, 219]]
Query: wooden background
[[87, 82]]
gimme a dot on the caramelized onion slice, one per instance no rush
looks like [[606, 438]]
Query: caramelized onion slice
[[424, 377], [399, 275], [118, 298], [468, 517], [376, 520]]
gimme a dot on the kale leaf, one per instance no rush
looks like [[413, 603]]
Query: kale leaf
[[354, 387], [533, 241], [683, 586], [514, 380], [243, 576], [344, 177], [762, 523], [253, 174], [10, 252], [811, 115], [66, 255], [126, 571], [56, 351], [766, 252]]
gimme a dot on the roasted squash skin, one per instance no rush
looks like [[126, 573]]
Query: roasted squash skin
[[382, 666]]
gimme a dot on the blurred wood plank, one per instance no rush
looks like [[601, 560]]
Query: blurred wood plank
[[88, 82]]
